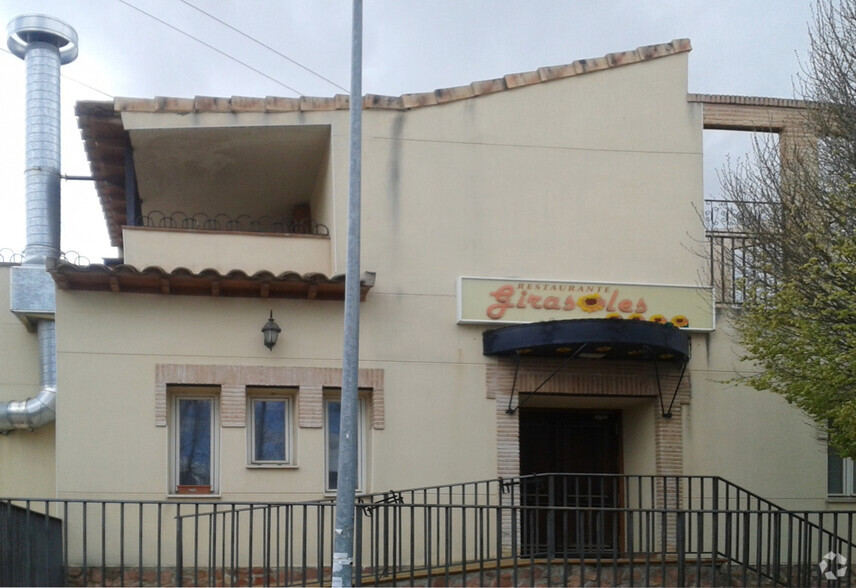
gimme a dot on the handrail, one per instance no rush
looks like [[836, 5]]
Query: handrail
[[696, 525]]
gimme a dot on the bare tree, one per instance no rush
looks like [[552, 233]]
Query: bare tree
[[797, 201]]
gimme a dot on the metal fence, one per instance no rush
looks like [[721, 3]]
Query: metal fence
[[551, 529], [732, 230], [30, 548]]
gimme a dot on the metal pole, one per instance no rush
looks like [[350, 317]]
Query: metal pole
[[343, 542]]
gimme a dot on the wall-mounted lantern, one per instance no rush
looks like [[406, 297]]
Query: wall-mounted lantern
[[271, 331]]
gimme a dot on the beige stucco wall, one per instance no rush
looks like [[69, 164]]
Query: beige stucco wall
[[26, 457], [754, 439], [224, 252], [592, 178], [564, 180], [121, 399]]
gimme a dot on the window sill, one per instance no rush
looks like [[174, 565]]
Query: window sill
[[194, 496], [272, 466], [332, 494], [840, 499]]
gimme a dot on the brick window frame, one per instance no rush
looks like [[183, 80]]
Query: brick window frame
[[233, 382]]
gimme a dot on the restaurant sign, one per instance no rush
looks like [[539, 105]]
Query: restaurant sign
[[516, 301]]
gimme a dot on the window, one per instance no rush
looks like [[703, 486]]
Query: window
[[840, 475], [332, 413], [194, 443], [270, 430]]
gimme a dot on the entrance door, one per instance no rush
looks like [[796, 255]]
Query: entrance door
[[569, 444]]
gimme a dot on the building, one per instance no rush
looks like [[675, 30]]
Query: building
[[562, 204]]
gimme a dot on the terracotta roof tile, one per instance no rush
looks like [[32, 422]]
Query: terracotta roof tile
[[278, 104], [134, 104], [488, 86], [211, 104], [178, 105], [208, 282], [247, 104], [623, 58], [417, 100], [308, 103], [342, 101], [590, 65], [517, 80], [378, 101], [556, 72], [406, 101], [456, 93], [98, 120]]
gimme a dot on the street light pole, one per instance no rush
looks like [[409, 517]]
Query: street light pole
[[346, 482]]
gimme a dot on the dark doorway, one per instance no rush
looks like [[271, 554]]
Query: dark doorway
[[567, 449]]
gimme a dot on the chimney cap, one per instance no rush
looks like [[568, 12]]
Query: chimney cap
[[30, 28]]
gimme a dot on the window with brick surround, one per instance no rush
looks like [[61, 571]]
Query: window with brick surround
[[194, 440], [270, 428], [332, 413]]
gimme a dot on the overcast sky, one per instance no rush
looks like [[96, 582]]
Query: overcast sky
[[147, 48]]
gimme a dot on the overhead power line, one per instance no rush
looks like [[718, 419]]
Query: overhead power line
[[268, 47], [67, 77], [212, 47]]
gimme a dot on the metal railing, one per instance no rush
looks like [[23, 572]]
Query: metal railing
[[201, 221], [607, 529], [733, 247], [161, 543], [549, 529]]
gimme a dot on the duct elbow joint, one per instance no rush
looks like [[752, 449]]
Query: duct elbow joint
[[31, 413]]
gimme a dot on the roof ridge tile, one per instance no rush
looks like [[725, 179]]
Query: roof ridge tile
[[484, 87], [405, 101], [419, 99], [247, 104], [517, 80], [281, 104]]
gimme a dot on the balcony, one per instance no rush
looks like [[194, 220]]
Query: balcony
[[732, 246], [200, 242]]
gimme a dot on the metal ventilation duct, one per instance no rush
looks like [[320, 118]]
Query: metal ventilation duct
[[44, 43]]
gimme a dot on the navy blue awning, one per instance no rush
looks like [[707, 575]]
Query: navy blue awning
[[591, 338]]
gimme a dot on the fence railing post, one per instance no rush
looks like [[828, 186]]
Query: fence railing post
[[358, 546], [179, 555], [680, 538]]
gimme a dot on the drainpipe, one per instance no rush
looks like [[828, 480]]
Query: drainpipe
[[45, 44]]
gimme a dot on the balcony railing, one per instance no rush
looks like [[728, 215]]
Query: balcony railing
[[733, 246], [201, 221], [542, 530]]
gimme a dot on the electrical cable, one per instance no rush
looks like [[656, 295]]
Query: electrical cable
[[212, 47], [67, 77], [268, 47]]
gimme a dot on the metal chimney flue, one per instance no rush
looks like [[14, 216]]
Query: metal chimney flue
[[44, 43]]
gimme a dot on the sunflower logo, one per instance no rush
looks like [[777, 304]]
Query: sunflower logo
[[614, 315], [680, 321], [659, 319], [636, 317], [591, 302]]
